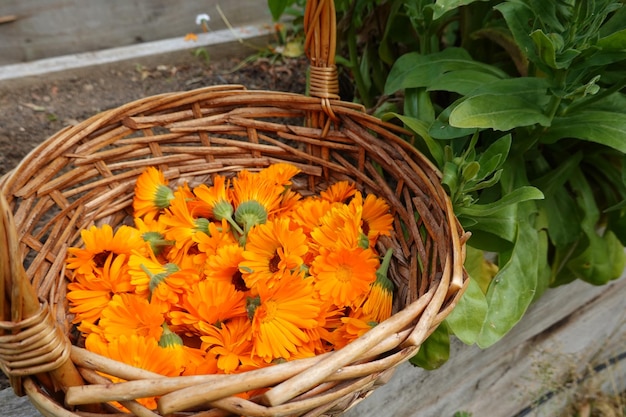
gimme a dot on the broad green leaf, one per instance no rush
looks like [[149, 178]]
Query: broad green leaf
[[603, 257], [545, 48], [604, 127], [420, 128], [513, 288], [466, 319], [441, 7], [546, 11], [462, 81], [277, 7], [516, 196], [442, 130], [494, 156], [531, 88], [435, 351], [615, 23], [501, 225], [614, 42], [602, 261], [414, 70], [498, 112], [562, 216], [518, 17]]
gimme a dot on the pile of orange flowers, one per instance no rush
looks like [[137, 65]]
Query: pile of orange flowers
[[233, 276]]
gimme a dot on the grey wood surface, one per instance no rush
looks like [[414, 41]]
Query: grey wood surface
[[36, 29], [565, 333]]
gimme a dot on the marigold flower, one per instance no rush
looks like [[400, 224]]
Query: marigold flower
[[100, 242], [271, 249], [256, 198], [340, 228], [379, 301], [88, 295], [231, 345], [344, 276], [151, 194], [224, 266], [153, 233], [234, 276], [209, 301], [138, 351], [159, 283], [375, 217], [281, 317], [182, 227], [354, 326], [338, 192], [128, 314], [216, 199]]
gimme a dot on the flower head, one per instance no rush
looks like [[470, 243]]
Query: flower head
[[100, 242], [281, 317], [88, 295], [271, 250], [344, 276], [152, 194]]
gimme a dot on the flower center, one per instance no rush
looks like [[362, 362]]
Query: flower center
[[274, 262], [344, 274]]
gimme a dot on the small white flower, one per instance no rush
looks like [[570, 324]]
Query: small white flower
[[202, 18]]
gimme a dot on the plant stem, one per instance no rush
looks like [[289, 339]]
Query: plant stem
[[597, 97]]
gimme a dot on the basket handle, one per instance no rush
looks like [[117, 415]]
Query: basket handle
[[320, 27], [31, 341]]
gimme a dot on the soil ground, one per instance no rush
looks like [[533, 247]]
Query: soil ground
[[34, 108]]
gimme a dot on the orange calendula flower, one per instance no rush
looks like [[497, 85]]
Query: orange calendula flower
[[216, 199], [281, 314], [340, 228], [181, 227], [157, 282], [128, 314], [152, 194], [344, 276], [308, 213], [338, 192], [100, 242], [256, 199], [355, 325], [153, 233], [210, 302], [138, 351], [224, 266], [379, 301], [280, 173], [375, 217], [231, 345], [272, 249], [88, 295]]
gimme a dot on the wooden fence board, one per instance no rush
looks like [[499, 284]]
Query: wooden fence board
[[36, 29]]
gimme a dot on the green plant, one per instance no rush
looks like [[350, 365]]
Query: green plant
[[520, 104]]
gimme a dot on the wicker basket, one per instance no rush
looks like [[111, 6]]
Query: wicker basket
[[85, 174]]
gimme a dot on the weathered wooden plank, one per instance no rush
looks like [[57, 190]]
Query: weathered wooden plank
[[46, 28], [567, 330]]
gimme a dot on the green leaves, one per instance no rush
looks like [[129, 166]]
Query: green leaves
[[416, 70], [497, 112], [603, 127]]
